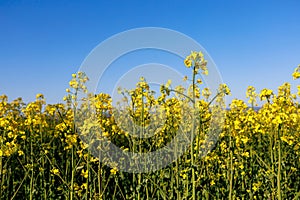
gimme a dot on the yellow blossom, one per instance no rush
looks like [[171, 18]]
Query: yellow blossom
[[296, 73], [114, 170], [55, 171], [188, 63], [85, 173]]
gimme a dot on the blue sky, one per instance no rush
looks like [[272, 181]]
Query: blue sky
[[43, 42]]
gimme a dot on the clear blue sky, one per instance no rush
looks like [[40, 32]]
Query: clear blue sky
[[43, 42]]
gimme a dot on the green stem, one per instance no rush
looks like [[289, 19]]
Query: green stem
[[192, 139], [100, 179], [272, 164], [88, 170], [72, 174], [177, 175], [279, 167], [115, 189], [1, 172], [31, 168], [231, 168]]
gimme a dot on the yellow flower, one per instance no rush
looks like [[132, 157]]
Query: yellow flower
[[245, 140], [185, 78], [184, 176], [224, 89], [39, 96], [94, 159], [256, 186], [293, 169], [287, 139], [265, 94], [55, 171], [168, 83], [246, 154], [188, 63], [277, 120], [205, 72], [251, 94], [20, 153], [206, 93], [84, 186], [113, 170], [194, 55], [85, 173], [10, 135], [199, 81], [296, 73]]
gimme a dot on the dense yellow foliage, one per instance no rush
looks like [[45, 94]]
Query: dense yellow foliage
[[256, 155]]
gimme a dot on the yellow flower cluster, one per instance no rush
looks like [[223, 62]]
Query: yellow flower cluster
[[197, 61], [296, 73], [254, 154]]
